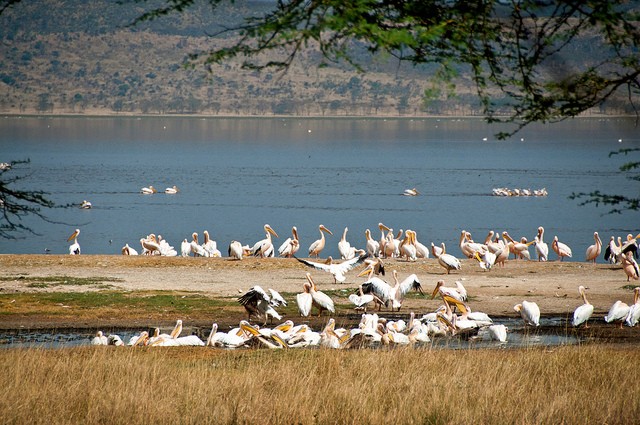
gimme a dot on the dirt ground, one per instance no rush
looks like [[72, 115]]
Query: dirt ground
[[553, 285]]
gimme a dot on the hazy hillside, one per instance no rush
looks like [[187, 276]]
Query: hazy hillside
[[81, 57]]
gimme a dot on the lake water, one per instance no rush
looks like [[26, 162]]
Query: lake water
[[236, 174]]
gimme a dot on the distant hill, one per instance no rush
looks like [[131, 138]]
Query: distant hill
[[82, 58]]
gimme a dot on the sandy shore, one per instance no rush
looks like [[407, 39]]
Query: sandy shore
[[553, 285]]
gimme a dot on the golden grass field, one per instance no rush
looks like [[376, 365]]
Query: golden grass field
[[122, 385], [589, 383]]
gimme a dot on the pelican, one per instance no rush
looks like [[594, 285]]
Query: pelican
[[561, 249], [373, 266], [86, 205], [486, 260], [468, 246], [448, 261], [318, 245], [164, 340], [337, 270], [304, 300], [320, 299], [115, 340], [196, 249], [373, 246], [223, 339], [458, 293], [264, 248], [99, 339], [150, 245], [631, 245], [127, 250], [360, 299], [421, 250], [171, 190], [542, 249], [612, 251], [257, 302], [583, 313], [185, 248], [594, 250], [617, 313], [529, 311], [407, 247], [634, 310], [236, 250], [290, 246], [74, 248], [411, 192], [344, 247], [518, 249], [630, 266], [140, 339], [148, 190], [498, 333], [210, 246], [395, 293], [436, 251]]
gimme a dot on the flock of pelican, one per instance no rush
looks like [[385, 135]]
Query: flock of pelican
[[496, 249], [453, 317], [505, 191]]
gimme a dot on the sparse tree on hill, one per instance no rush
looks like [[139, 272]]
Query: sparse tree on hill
[[527, 51]]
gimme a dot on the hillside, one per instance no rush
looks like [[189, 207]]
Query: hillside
[[76, 57]]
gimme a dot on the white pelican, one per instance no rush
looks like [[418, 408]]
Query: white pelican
[[337, 270], [127, 250], [166, 249], [373, 246], [560, 248], [344, 247], [257, 302], [583, 313], [171, 190], [165, 340], [448, 261], [498, 333], [518, 249], [317, 246], [634, 310], [236, 250], [86, 205], [631, 245], [320, 299], [115, 340], [210, 246], [394, 294], [411, 192], [593, 251], [196, 249], [304, 300], [373, 266], [140, 339], [99, 339], [421, 250], [486, 260], [290, 246], [185, 248], [223, 339], [630, 266], [468, 246], [542, 249], [617, 313], [148, 190], [612, 251], [383, 238], [458, 293], [437, 250], [360, 300], [264, 248], [407, 247], [150, 245], [74, 248], [529, 311]]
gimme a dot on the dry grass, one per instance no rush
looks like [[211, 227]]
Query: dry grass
[[112, 385]]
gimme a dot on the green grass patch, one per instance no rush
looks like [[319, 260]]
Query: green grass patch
[[51, 281]]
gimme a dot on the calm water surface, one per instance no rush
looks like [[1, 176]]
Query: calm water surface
[[235, 175]]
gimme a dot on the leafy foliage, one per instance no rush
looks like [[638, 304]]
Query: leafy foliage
[[619, 203], [517, 48]]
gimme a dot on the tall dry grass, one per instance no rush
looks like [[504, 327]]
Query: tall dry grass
[[120, 385]]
